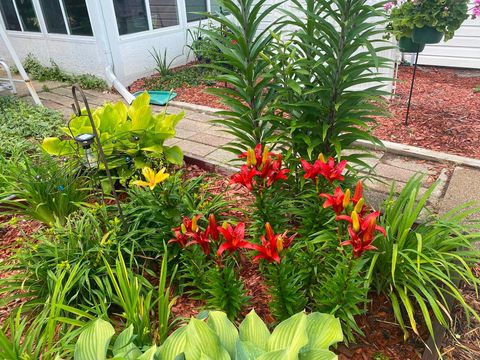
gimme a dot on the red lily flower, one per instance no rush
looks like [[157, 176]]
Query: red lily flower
[[357, 199], [336, 201], [245, 177], [332, 172], [202, 239], [274, 170], [253, 156], [272, 245], [186, 229], [212, 227], [311, 170], [362, 232], [234, 239]]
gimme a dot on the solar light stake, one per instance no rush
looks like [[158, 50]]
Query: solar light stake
[[86, 140]]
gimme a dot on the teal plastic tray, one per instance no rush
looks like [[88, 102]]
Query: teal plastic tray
[[159, 97]]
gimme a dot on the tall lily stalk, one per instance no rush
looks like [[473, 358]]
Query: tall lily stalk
[[242, 39]]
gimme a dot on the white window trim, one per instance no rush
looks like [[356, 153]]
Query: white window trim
[[18, 16], [65, 19]]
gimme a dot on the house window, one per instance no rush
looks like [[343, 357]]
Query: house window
[[132, 15], [66, 17], [193, 7], [19, 15]]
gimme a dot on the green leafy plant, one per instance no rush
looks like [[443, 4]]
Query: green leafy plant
[[45, 73], [329, 73], [302, 335], [162, 65], [477, 89], [80, 243], [132, 137], [202, 46], [152, 215], [48, 191], [445, 16], [93, 343], [22, 125], [189, 75], [421, 259], [134, 295], [242, 66], [225, 290]]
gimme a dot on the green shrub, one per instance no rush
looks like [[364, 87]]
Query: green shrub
[[420, 260], [44, 73], [22, 125]]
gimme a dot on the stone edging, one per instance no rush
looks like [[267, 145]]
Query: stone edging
[[389, 147]]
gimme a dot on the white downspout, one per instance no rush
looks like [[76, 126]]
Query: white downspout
[[109, 70]]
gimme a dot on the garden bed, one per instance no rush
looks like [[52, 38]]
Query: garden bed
[[384, 338], [443, 116]]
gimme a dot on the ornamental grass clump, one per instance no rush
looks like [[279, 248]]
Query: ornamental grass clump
[[420, 262]]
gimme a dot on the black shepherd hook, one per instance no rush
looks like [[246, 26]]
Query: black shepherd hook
[[78, 111], [411, 88]]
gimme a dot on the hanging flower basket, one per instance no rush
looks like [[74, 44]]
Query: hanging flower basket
[[406, 45], [426, 35]]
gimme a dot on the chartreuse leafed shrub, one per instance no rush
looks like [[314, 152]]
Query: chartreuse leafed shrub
[[132, 137], [301, 336], [45, 190], [420, 261]]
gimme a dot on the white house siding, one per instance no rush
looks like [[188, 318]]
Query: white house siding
[[462, 51], [78, 54]]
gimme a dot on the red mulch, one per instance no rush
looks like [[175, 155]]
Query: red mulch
[[445, 111]]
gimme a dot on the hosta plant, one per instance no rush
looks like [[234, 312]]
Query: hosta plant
[[132, 137], [94, 344], [301, 336]]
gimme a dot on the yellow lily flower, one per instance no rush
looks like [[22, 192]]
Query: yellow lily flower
[[152, 178]]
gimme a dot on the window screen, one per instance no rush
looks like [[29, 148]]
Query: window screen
[[131, 16], [194, 6], [77, 17], [52, 13], [164, 13], [9, 15], [28, 17]]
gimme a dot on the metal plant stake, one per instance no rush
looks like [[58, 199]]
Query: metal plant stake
[[86, 140]]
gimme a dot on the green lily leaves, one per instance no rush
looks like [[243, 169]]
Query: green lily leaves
[[131, 136], [301, 336]]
